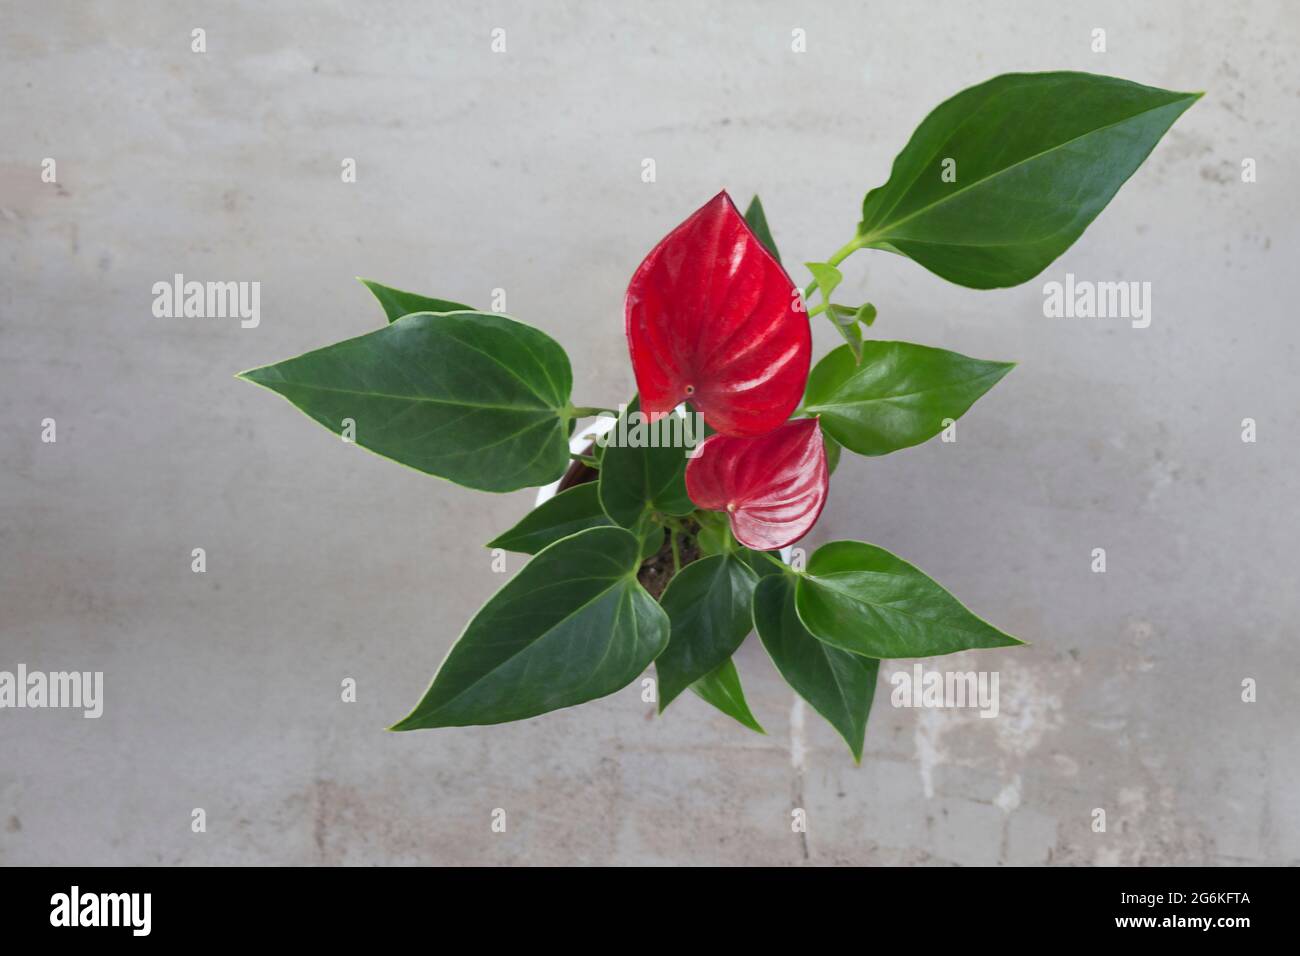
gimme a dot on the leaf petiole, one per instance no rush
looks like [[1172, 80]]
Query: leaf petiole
[[775, 559]]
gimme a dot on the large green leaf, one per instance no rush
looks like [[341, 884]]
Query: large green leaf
[[1037, 156], [860, 598], [838, 684], [473, 397], [721, 688], [572, 626], [638, 480], [397, 303], [899, 395], [757, 220], [572, 510], [708, 605]]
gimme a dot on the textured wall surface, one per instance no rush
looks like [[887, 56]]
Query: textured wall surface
[[522, 171]]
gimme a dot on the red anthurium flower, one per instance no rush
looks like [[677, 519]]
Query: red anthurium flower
[[712, 318], [772, 487]]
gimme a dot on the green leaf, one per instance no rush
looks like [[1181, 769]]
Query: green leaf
[[1037, 156], [827, 278], [833, 449], [397, 303], [862, 599], [636, 481], [721, 688], [712, 539], [866, 314], [708, 605], [572, 626], [651, 536], [838, 684], [476, 398], [572, 510], [760, 565], [757, 220], [898, 396]]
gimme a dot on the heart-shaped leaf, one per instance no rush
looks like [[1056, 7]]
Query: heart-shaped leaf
[[476, 398], [899, 396], [572, 510], [839, 685], [721, 688], [862, 599], [772, 487], [397, 303], [708, 605], [1001, 179], [572, 626], [643, 468], [712, 317]]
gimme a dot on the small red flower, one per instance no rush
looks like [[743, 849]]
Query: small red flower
[[712, 318], [772, 487]]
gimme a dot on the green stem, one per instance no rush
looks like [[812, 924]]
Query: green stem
[[677, 555], [775, 559], [817, 310], [589, 411], [587, 460], [850, 247]]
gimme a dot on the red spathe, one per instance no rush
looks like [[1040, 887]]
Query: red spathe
[[773, 487], [712, 318]]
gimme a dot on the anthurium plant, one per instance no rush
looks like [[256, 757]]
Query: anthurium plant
[[667, 549]]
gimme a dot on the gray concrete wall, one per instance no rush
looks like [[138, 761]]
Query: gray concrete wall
[[522, 171]]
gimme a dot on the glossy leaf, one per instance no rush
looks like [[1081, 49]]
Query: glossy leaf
[[721, 688], [572, 510], [638, 479], [862, 599], [476, 398], [707, 603], [838, 684], [772, 488], [898, 396], [1036, 157], [397, 303], [572, 626], [711, 317], [757, 220]]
